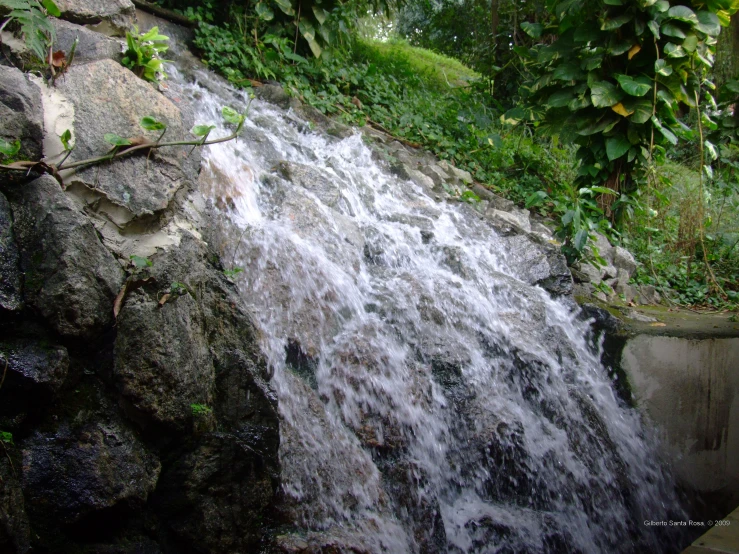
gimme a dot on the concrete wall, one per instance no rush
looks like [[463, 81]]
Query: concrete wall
[[689, 389]]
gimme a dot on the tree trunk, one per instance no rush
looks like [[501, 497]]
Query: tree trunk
[[726, 66]]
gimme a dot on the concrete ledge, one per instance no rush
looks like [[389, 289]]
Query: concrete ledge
[[723, 539]]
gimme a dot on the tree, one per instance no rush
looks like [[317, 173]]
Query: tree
[[613, 81]]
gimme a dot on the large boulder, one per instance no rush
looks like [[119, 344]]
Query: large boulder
[[88, 462], [14, 528], [20, 114], [10, 273], [110, 16], [108, 98], [35, 373], [92, 46], [70, 278], [215, 497], [170, 355]]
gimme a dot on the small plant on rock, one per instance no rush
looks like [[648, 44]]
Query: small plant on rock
[[142, 55]]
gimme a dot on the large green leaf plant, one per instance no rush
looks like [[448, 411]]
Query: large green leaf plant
[[615, 76]]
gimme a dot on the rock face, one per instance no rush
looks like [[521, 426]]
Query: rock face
[[156, 431], [110, 16], [105, 91], [10, 275], [20, 113], [70, 278]]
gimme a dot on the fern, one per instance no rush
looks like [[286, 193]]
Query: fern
[[32, 17]]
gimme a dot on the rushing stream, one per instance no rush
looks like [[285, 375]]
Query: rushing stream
[[431, 401]]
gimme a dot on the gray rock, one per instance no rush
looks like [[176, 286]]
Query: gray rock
[[540, 263], [588, 273], [458, 175], [108, 98], [14, 527], [647, 294], [627, 291], [170, 357], [604, 248], [609, 272], [110, 16], [274, 94], [70, 278], [423, 181], [85, 465], [434, 172], [35, 372], [325, 187], [519, 218], [638, 316], [215, 496], [583, 289], [20, 115], [92, 46], [622, 259], [10, 273]]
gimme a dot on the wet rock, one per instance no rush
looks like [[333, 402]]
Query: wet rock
[[14, 527], [20, 116], [215, 497], [35, 372], [105, 91], [111, 16], [517, 218], [539, 262], [70, 278], [87, 464], [274, 94], [457, 175], [435, 173], [622, 259], [587, 272], [92, 46], [198, 347], [10, 273], [647, 295], [323, 186]]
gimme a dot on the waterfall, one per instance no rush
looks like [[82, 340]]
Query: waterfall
[[430, 400]]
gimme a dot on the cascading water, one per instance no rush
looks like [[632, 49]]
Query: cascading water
[[430, 400]]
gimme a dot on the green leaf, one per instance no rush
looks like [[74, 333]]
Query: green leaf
[[285, 6], [710, 149], [536, 198], [615, 23], [65, 137], [51, 7], [669, 135], [116, 140], [140, 261], [654, 27], [674, 51], [534, 30], [148, 123], [202, 130], [567, 72], [264, 12], [9, 149], [672, 30], [604, 94], [320, 13], [682, 13], [635, 87], [690, 43], [232, 116], [603, 190], [560, 98], [586, 33], [661, 6], [617, 146], [641, 108], [661, 68], [580, 240]]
